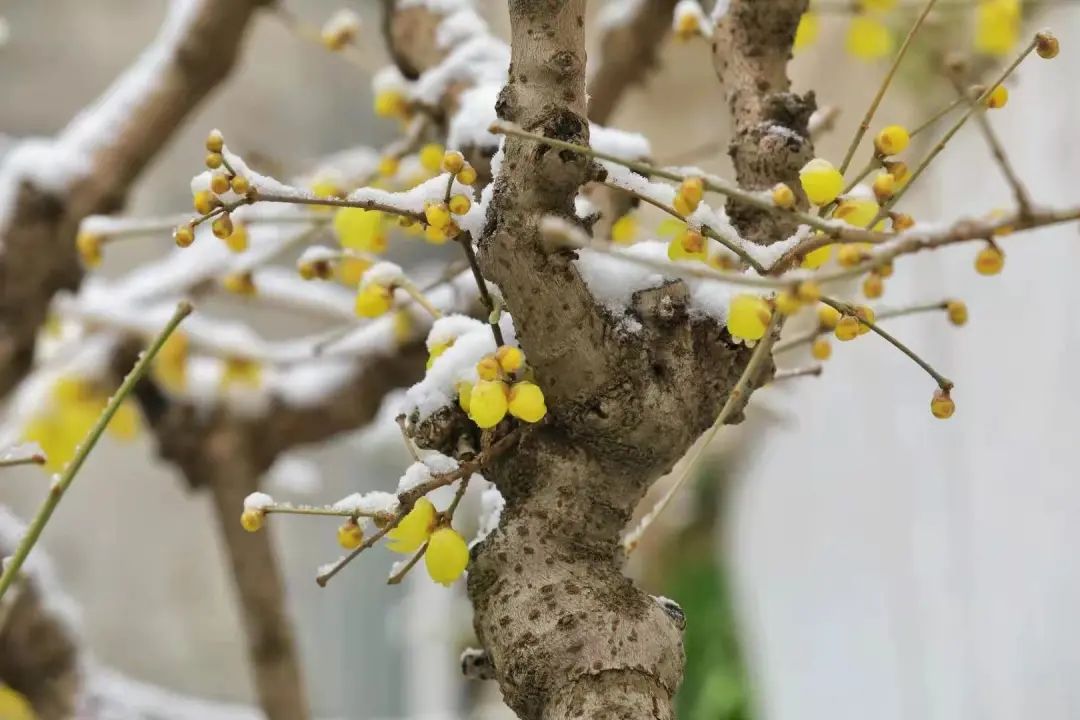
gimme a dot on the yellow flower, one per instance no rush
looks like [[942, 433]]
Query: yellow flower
[[488, 403], [89, 246], [359, 229], [238, 241], [859, 212], [527, 402], [807, 32], [816, 258], [373, 300], [350, 269], [64, 422], [126, 422], [170, 365], [868, 38], [748, 316], [391, 103], [821, 181], [431, 157], [350, 535], [13, 706], [892, 139], [252, 520], [241, 371], [510, 358], [624, 230], [690, 245], [997, 26], [447, 555], [414, 529], [436, 350]]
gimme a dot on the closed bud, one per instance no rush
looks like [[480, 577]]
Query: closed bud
[[214, 141], [1047, 45], [942, 405]]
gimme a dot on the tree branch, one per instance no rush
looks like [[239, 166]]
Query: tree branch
[[98, 156], [628, 52], [771, 141]]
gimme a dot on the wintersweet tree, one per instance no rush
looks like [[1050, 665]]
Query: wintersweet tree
[[560, 365]]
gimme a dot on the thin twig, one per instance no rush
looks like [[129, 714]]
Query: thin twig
[[809, 337], [1023, 200], [812, 370], [35, 459], [937, 116], [759, 200], [705, 229], [61, 484], [407, 500], [943, 382], [399, 574], [979, 105], [465, 240], [870, 111]]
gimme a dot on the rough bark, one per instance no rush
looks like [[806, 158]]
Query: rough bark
[[569, 636], [37, 240], [628, 53], [771, 142]]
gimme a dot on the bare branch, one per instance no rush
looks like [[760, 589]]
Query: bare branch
[[99, 155], [628, 52]]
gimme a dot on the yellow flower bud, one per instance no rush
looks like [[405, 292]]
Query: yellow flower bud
[[453, 162], [467, 175], [238, 241], [437, 215], [488, 368], [414, 529], [783, 196], [240, 185], [526, 402], [892, 140], [350, 535], [957, 312], [510, 358], [942, 405], [373, 300], [748, 316], [252, 520], [990, 260], [89, 246], [214, 141], [239, 283], [821, 349], [222, 226], [828, 316], [184, 235], [873, 286], [847, 328], [488, 403], [431, 157], [459, 204], [219, 183], [821, 181], [997, 98], [787, 302], [447, 556], [1047, 45]]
